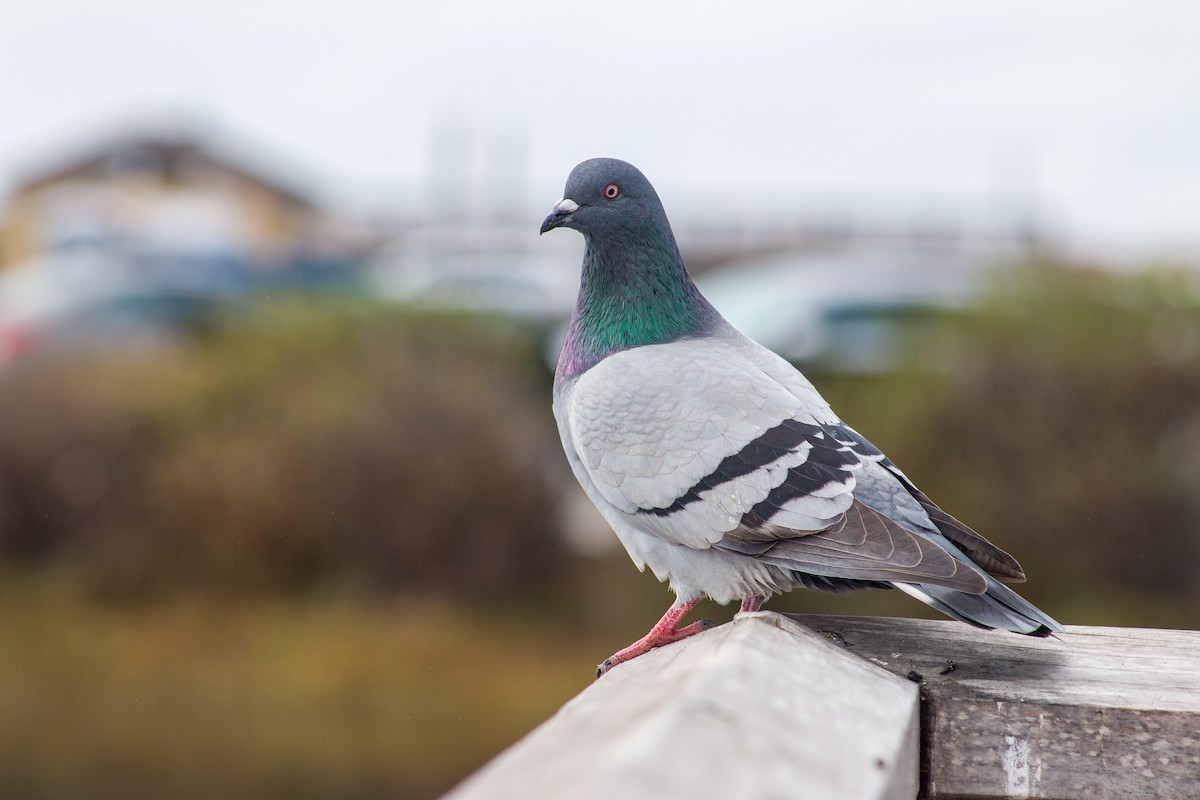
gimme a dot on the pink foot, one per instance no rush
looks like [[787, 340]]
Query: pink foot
[[665, 631], [752, 603]]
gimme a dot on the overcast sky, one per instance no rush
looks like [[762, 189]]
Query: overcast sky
[[1088, 111]]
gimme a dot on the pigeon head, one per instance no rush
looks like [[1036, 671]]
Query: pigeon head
[[605, 197], [634, 290]]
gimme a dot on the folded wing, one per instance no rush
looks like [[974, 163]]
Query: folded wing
[[699, 446]]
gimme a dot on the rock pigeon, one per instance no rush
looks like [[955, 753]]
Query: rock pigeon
[[716, 462]]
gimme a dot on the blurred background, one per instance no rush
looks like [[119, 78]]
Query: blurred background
[[283, 513]]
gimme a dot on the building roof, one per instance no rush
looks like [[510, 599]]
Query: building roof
[[168, 154]]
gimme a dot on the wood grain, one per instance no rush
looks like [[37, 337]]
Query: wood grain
[[1097, 713], [761, 709]]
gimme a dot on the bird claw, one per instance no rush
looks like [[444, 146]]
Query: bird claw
[[666, 631], [652, 642]]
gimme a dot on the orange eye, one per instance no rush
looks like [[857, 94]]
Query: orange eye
[[611, 191]]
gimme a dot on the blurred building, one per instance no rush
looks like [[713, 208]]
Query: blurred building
[[147, 233], [167, 190]]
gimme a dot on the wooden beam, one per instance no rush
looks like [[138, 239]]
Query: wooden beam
[[1097, 713], [759, 708], [764, 707]]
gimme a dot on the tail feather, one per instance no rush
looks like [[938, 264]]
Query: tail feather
[[998, 607]]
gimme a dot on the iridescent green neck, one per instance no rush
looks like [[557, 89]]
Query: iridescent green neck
[[634, 291]]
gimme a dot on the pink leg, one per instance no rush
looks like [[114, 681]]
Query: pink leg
[[752, 603], [665, 631]]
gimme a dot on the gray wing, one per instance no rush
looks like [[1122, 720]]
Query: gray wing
[[983, 553], [696, 443], [684, 439]]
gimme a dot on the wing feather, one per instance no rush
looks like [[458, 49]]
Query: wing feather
[[687, 438], [863, 545]]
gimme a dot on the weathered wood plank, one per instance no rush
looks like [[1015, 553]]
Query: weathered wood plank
[[758, 708], [1098, 713]]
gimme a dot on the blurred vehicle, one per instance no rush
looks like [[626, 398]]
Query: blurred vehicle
[[480, 268], [95, 293]]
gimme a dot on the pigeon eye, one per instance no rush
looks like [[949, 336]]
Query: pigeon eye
[[611, 191]]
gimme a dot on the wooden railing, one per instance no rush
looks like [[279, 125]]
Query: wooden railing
[[771, 706]]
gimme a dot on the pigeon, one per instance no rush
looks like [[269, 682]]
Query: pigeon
[[716, 462]]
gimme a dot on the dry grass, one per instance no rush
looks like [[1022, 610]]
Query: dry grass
[[329, 697], [305, 444]]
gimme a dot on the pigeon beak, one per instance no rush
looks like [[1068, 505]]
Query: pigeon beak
[[561, 212]]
